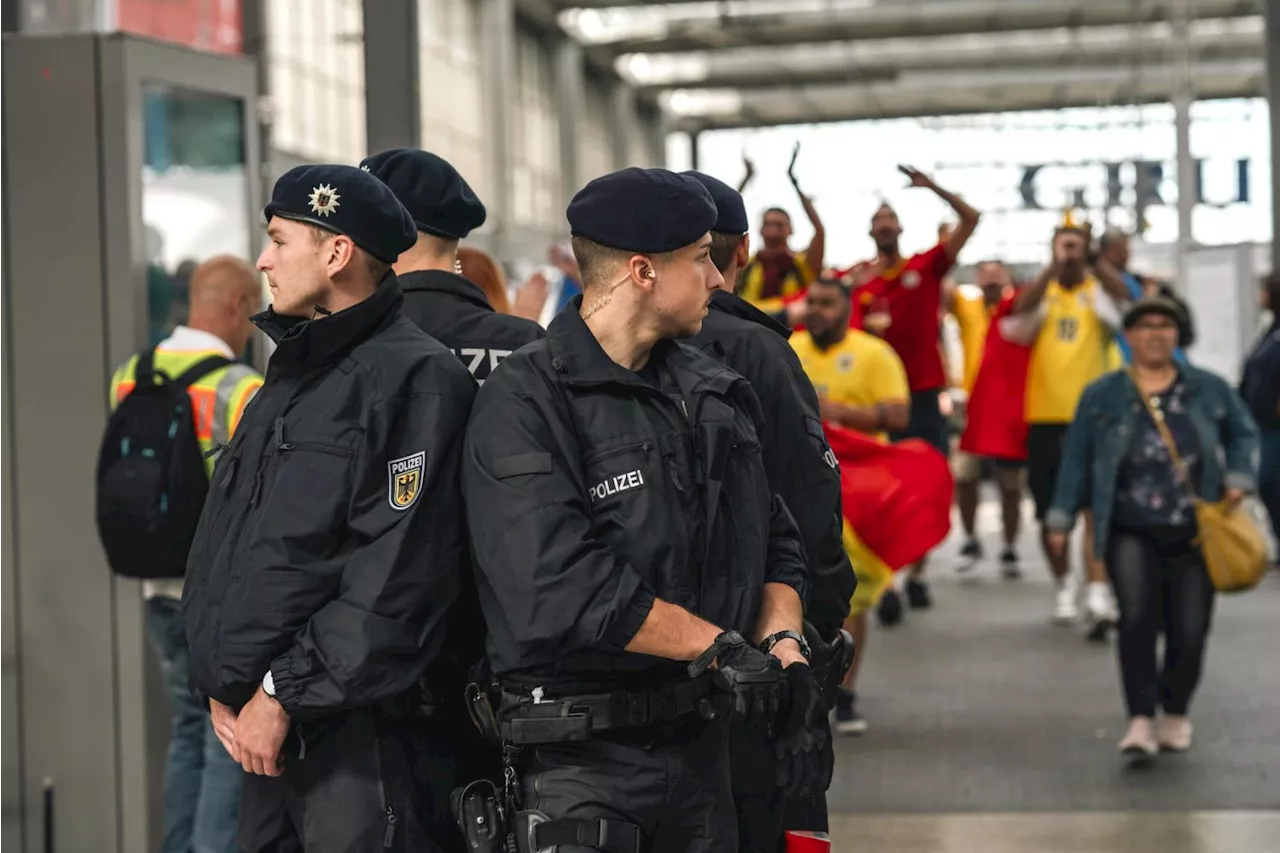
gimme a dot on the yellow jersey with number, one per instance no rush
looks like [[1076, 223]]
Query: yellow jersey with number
[[1069, 352], [973, 316], [861, 370]]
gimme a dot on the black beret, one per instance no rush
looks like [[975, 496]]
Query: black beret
[[731, 213], [642, 210], [436, 196], [345, 200]]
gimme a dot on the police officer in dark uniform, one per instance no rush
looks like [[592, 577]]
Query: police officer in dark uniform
[[639, 580], [455, 312], [332, 540], [802, 469], [444, 304]]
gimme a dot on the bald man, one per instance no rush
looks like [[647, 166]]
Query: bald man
[[202, 782]]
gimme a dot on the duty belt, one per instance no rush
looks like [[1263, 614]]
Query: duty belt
[[526, 720]]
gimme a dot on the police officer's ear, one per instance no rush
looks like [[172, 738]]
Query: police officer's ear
[[641, 269], [742, 256], [340, 256]]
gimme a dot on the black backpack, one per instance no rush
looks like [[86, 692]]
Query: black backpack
[[151, 481]]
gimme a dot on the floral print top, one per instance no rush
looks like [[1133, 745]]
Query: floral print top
[[1149, 491]]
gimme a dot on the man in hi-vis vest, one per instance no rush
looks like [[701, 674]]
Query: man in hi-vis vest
[[201, 781]]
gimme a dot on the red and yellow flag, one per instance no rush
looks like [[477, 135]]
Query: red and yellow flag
[[897, 497]]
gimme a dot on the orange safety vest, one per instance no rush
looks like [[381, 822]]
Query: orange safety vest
[[218, 398]]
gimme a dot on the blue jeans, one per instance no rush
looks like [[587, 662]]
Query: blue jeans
[[201, 781]]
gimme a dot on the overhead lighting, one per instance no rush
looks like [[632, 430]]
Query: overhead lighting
[[703, 102]]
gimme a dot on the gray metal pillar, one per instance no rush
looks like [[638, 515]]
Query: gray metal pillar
[[653, 126], [1186, 183], [9, 16], [257, 45], [1273, 96], [570, 102], [497, 50], [392, 105], [1182, 100], [693, 150], [622, 123]]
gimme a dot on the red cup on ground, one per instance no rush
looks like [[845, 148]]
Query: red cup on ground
[[808, 842]]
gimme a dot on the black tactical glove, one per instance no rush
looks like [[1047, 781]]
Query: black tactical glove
[[751, 681], [830, 660], [803, 743]]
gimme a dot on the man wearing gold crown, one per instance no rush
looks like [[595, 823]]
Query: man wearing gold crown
[[1069, 313]]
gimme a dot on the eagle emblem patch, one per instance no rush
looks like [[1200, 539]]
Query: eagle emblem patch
[[405, 480]]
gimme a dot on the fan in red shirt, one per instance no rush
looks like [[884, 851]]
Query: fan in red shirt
[[901, 300]]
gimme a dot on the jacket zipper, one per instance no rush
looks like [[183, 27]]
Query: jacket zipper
[[388, 837], [618, 451], [287, 446]]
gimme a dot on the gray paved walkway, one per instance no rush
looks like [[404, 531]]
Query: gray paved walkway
[[980, 705]]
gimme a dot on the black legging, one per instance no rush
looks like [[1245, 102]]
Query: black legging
[[1161, 585]]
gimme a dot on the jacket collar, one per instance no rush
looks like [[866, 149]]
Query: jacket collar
[[579, 359], [1186, 374], [736, 306], [439, 281], [310, 342]]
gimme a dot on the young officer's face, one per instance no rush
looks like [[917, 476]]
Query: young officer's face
[[682, 288], [294, 263]]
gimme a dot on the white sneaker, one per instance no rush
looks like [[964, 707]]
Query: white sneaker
[[1065, 611], [1139, 742], [1100, 610], [1174, 733]]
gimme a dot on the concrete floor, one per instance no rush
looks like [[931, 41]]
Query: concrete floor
[[993, 730], [1081, 832]]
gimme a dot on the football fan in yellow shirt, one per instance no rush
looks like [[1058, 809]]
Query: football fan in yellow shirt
[[861, 385], [775, 275], [1074, 306]]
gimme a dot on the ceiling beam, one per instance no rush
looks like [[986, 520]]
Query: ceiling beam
[[905, 18], [1001, 94], [849, 63], [598, 62]]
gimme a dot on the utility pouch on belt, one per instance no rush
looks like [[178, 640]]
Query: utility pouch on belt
[[550, 722], [480, 816], [480, 709]]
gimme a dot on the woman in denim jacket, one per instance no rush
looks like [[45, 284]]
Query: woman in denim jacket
[[1116, 463]]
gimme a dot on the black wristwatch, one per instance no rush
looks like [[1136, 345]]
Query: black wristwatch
[[773, 640]]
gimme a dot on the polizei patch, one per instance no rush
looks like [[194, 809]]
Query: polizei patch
[[405, 475], [617, 484]]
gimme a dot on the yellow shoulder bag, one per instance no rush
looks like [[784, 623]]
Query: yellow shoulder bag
[[1234, 548]]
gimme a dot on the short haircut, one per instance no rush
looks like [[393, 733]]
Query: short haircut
[[845, 289], [375, 267], [597, 262], [992, 261], [224, 278], [724, 245], [776, 210], [1110, 237]]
